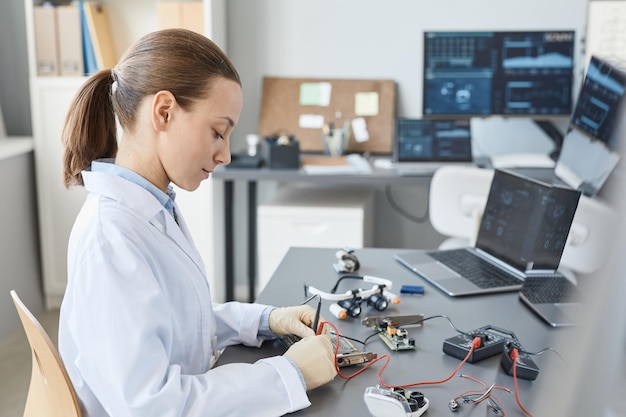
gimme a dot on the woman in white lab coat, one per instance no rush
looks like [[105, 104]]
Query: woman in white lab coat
[[138, 332]]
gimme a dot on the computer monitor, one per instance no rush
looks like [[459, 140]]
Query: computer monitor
[[600, 101], [426, 140], [587, 155], [513, 73]]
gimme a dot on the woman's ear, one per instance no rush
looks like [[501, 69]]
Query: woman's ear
[[161, 111]]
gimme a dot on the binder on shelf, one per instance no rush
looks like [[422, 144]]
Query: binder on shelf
[[46, 48], [70, 41], [89, 56], [100, 34]]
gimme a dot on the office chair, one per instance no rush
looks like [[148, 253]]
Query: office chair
[[458, 196], [585, 250], [50, 392]]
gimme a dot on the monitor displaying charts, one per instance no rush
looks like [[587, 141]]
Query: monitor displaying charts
[[514, 73]]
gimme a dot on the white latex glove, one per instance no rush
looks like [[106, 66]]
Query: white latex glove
[[315, 357], [293, 320]]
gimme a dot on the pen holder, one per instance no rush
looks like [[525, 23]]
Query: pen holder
[[282, 152], [336, 140]]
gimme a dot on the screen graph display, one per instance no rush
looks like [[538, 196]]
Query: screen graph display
[[498, 73]]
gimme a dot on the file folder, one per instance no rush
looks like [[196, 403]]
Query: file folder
[[100, 33], [89, 56], [46, 48], [70, 41]]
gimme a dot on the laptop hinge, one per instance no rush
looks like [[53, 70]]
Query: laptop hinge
[[501, 263]]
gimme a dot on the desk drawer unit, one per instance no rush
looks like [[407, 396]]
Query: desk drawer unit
[[311, 217]]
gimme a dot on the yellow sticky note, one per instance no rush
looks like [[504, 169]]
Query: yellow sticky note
[[366, 104]]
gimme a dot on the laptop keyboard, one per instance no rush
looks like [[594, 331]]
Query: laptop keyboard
[[542, 290], [475, 269]]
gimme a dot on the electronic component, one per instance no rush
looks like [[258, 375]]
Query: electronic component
[[347, 352], [396, 338], [412, 289], [347, 261], [401, 320], [454, 406], [526, 367], [397, 402], [492, 340], [389, 330], [356, 358]]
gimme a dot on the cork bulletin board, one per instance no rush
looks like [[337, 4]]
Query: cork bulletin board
[[301, 106]]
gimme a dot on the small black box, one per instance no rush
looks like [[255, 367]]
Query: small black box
[[282, 156]]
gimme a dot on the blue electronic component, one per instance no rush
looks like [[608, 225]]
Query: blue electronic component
[[412, 289]]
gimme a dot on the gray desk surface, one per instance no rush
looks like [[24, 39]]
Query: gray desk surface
[[427, 362]]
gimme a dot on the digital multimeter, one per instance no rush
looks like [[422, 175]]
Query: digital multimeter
[[492, 340]]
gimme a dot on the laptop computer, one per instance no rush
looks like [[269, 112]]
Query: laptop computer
[[423, 145], [556, 300], [522, 232]]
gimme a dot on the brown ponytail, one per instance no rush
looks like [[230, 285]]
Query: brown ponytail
[[89, 132]]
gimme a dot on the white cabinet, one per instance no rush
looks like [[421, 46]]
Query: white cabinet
[[50, 99], [311, 217]]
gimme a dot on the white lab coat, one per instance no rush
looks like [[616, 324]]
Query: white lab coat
[[137, 331]]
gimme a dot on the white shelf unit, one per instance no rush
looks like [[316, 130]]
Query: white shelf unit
[[50, 99], [311, 217]]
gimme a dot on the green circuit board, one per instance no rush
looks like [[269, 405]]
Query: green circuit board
[[396, 338]]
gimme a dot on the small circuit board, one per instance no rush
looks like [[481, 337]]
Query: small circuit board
[[390, 331], [397, 338]]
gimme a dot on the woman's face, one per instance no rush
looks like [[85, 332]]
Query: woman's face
[[199, 140]]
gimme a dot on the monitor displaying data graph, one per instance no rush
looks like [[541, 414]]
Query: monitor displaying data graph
[[514, 73]]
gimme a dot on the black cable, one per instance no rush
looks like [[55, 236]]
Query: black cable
[[417, 219], [352, 339], [351, 276], [437, 317], [543, 351], [376, 333]]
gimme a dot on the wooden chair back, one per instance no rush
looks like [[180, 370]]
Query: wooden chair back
[[50, 393]]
